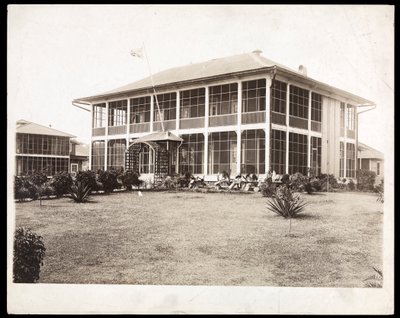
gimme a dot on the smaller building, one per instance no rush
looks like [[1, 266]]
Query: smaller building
[[370, 159], [79, 156], [45, 149]]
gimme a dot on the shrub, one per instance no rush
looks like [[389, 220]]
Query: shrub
[[286, 204], [376, 280], [47, 190], [268, 188], [351, 186], [285, 179], [130, 178], [37, 178], [61, 183], [381, 194], [29, 252], [366, 180], [184, 180], [325, 179], [297, 182], [79, 191], [21, 191], [88, 177], [109, 180], [308, 188]]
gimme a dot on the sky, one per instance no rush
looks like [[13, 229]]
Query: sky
[[59, 53]]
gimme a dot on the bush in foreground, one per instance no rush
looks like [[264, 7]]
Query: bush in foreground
[[29, 252]]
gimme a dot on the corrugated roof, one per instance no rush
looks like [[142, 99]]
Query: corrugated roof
[[158, 136], [212, 68], [27, 127], [367, 152]]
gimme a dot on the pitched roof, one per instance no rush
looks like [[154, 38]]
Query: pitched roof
[[158, 136], [27, 127], [210, 69], [367, 152]]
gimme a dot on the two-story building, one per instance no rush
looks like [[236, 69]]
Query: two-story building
[[239, 114], [45, 149]]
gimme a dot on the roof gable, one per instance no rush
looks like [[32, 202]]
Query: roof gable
[[26, 127], [367, 152]]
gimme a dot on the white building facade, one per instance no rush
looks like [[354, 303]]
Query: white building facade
[[241, 114]]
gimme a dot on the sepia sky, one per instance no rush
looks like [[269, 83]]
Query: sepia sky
[[59, 53]]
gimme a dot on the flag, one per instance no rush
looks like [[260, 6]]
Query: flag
[[137, 52]]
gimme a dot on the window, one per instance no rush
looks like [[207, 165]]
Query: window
[[99, 115], [47, 165], [278, 97], [167, 104], [42, 145], [341, 160], [342, 117], [316, 107], [191, 154], [278, 151], [253, 151], [117, 113], [350, 160], [223, 99], [315, 153], [222, 152], [146, 159], [116, 154], [140, 110], [192, 103], [253, 96], [298, 102], [350, 125], [297, 153], [98, 156], [378, 168]]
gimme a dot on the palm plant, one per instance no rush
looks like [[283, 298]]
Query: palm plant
[[375, 281], [286, 204], [79, 191]]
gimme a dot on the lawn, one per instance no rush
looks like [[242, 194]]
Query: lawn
[[190, 238]]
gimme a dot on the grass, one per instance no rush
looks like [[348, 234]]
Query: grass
[[190, 238]]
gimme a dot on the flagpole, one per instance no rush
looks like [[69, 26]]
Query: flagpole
[[154, 89]]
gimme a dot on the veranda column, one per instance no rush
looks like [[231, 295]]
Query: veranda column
[[267, 130], [287, 128], [106, 139], [128, 123], [238, 130], [206, 113], [151, 112], [91, 141], [178, 115], [309, 152]]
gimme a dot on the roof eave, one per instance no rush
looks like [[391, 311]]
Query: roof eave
[[328, 88], [97, 98]]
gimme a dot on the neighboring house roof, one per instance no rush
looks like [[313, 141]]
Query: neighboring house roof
[[367, 152], [213, 68], [27, 127]]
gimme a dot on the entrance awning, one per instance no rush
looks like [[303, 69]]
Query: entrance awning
[[158, 136]]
